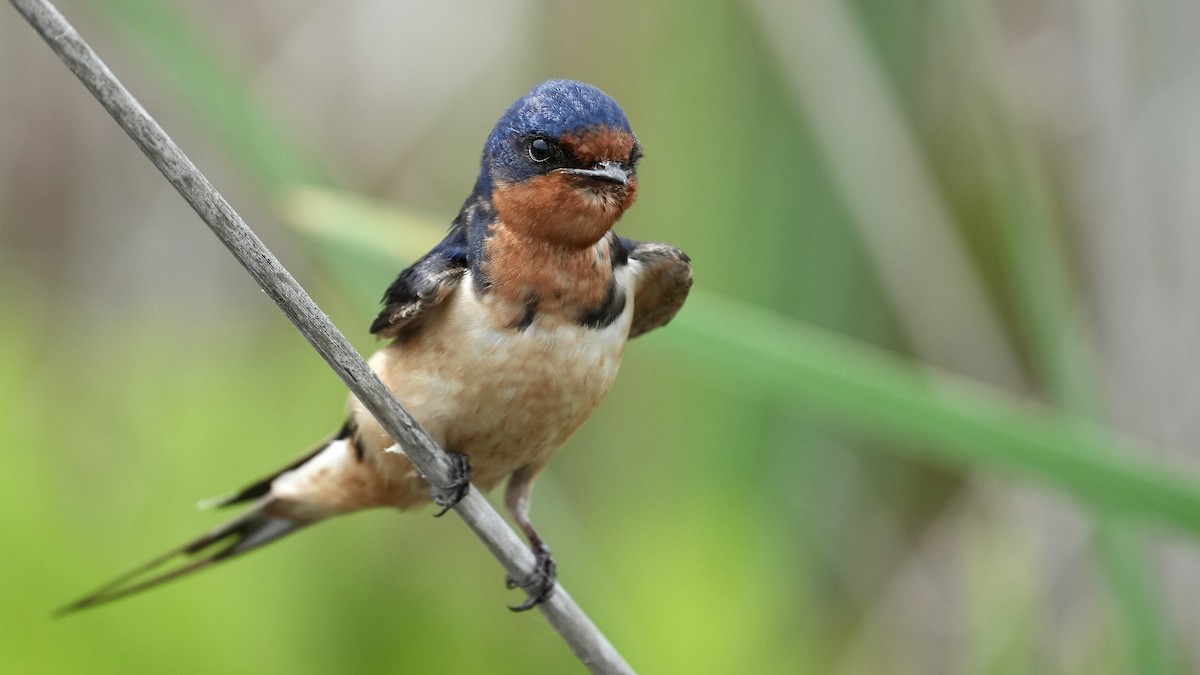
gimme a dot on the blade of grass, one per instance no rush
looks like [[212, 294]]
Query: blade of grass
[[214, 90], [1047, 306], [362, 258], [887, 185], [943, 417], [1063, 362]]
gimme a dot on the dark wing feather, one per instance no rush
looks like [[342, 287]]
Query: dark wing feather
[[662, 285], [423, 286]]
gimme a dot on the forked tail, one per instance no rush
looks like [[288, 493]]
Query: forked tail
[[244, 533]]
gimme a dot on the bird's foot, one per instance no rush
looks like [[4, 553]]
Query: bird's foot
[[540, 584], [460, 483]]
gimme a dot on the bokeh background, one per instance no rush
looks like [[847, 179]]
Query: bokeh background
[[933, 408]]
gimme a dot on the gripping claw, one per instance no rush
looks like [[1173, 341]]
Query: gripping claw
[[541, 583], [460, 483]]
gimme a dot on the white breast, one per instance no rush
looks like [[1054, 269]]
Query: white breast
[[507, 398]]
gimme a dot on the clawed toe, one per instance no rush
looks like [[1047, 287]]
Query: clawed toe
[[541, 582], [460, 484]]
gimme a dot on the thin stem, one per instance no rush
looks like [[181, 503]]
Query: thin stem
[[588, 643]]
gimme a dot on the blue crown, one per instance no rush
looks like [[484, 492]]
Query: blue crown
[[550, 109]]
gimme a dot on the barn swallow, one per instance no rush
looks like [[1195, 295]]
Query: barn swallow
[[502, 339]]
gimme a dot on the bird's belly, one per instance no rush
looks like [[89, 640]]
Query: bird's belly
[[507, 398], [527, 395]]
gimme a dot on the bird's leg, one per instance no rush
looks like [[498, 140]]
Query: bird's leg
[[460, 483], [541, 583]]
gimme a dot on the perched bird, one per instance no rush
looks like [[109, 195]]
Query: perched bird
[[503, 339]]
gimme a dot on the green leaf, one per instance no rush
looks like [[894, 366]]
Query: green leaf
[[215, 91], [939, 416]]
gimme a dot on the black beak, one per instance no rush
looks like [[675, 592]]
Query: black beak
[[605, 172]]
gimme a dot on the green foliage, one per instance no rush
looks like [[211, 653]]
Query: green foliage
[[732, 345], [766, 468]]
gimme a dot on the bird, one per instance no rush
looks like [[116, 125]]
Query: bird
[[501, 340]]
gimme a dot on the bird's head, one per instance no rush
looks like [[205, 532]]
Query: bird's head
[[561, 164]]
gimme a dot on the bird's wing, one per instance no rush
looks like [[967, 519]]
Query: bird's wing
[[418, 290], [662, 283]]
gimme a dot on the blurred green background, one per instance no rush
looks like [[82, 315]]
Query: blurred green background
[[931, 409]]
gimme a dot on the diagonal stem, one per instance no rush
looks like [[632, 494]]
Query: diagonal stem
[[588, 643]]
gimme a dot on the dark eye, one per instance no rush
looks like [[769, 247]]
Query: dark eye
[[636, 154], [539, 150]]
